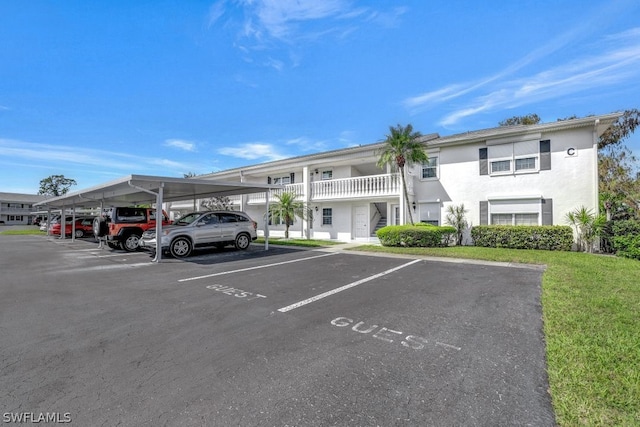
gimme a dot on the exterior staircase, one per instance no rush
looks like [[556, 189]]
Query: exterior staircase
[[381, 223]]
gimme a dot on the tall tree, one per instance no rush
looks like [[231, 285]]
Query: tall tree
[[56, 185], [529, 119], [402, 148], [620, 130], [619, 169], [287, 208]]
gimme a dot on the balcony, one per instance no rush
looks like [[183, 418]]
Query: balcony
[[361, 187], [15, 211], [259, 198], [371, 186]]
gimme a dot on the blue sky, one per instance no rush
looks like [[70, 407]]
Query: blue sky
[[97, 90]]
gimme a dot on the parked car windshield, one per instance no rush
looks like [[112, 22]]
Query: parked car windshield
[[188, 219]]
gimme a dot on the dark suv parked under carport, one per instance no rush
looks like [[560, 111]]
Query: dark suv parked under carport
[[123, 226]]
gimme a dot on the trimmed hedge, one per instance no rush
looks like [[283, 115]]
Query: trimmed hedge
[[418, 235], [546, 237]]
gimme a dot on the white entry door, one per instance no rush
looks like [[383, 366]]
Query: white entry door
[[361, 222]]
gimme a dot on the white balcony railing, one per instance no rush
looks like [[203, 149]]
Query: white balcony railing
[[259, 198], [358, 187], [15, 211], [370, 186]]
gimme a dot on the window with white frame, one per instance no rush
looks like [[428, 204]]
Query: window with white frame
[[282, 180], [327, 216], [516, 211], [430, 169], [513, 158], [326, 175], [429, 213], [515, 219]]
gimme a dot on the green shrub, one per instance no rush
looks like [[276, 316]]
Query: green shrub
[[546, 237], [626, 238], [419, 235]]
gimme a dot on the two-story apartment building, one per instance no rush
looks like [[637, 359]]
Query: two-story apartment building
[[16, 208], [515, 175]]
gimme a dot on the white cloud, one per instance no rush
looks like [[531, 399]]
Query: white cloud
[[307, 145], [270, 26], [215, 12], [252, 151], [170, 164], [180, 144], [279, 17], [615, 59], [37, 155]]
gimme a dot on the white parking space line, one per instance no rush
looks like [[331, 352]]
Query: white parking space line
[[345, 287], [98, 255], [85, 250], [255, 268], [107, 267]]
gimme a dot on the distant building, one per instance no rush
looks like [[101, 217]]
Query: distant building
[[16, 208]]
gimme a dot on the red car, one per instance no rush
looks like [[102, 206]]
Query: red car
[[84, 227]]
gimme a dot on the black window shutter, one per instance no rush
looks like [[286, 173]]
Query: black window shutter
[[545, 155], [547, 211], [484, 213], [484, 162], [293, 177]]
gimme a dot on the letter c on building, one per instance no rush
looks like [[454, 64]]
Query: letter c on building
[[571, 151]]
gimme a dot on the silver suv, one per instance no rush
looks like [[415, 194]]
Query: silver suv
[[203, 229]]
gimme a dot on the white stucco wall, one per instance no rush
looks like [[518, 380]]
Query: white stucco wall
[[569, 183]]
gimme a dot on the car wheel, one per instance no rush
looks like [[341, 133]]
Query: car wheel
[[242, 241], [79, 233], [130, 243], [180, 247]]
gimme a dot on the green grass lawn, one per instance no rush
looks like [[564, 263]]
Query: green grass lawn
[[591, 312], [35, 231], [310, 243]]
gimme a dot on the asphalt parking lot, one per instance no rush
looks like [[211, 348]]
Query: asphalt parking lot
[[284, 337]]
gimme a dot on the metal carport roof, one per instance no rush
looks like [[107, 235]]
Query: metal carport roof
[[138, 189]]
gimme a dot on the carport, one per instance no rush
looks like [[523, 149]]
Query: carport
[[142, 189]]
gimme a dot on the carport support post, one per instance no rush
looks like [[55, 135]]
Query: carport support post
[[266, 223], [73, 223], [48, 219], [159, 218], [63, 223], [100, 239]]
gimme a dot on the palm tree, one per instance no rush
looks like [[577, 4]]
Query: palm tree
[[456, 218], [288, 208], [402, 148], [588, 226]]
